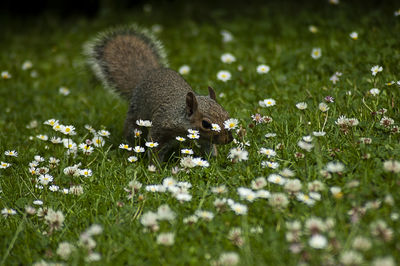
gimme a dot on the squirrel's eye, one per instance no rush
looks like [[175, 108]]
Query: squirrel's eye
[[206, 124]]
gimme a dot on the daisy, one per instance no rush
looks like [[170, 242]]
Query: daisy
[[151, 144], [166, 239], [276, 179], [200, 162], [86, 148], [144, 123], [53, 188], [258, 183], [69, 144], [183, 196], [11, 153], [374, 91], [45, 179], [90, 129], [313, 29], [206, 215], [215, 127], [263, 69], [125, 147], [224, 75], [51, 122], [132, 159], [57, 127], [278, 200], [187, 151], [8, 212], [263, 194], [85, 172], [301, 106], [316, 53], [5, 75], [267, 103], [138, 149], [269, 152], [318, 241], [219, 190], [137, 133], [239, 209], [335, 77], [43, 137], [323, 107], [226, 36], [68, 130], [26, 65], [184, 70], [231, 123], [305, 199], [354, 35], [180, 139], [155, 188], [246, 193], [38, 158], [228, 58], [64, 91], [238, 154], [336, 192], [272, 165], [193, 136], [4, 165], [98, 141], [376, 69], [305, 145], [103, 133], [334, 167], [391, 166]]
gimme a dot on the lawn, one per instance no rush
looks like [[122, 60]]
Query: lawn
[[311, 178]]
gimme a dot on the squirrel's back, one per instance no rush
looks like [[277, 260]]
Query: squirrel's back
[[122, 57]]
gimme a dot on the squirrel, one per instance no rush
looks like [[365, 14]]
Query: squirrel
[[132, 62]]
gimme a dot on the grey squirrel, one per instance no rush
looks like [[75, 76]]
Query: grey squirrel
[[132, 62]]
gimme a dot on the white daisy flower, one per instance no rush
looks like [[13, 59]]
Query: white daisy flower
[[267, 103], [181, 139], [228, 58], [376, 69], [263, 69], [184, 70], [132, 159], [43, 137], [268, 152], [316, 53], [215, 127], [138, 149], [224, 75], [64, 91], [144, 123], [187, 151], [98, 141], [11, 153], [151, 144], [4, 165], [125, 147], [231, 123], [354, 35]]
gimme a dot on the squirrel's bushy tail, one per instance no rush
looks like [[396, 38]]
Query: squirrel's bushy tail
[[121, 57]]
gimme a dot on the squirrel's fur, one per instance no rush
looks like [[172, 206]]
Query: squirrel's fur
[[132, 63]]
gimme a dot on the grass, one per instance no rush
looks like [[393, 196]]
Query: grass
[[276, 34]]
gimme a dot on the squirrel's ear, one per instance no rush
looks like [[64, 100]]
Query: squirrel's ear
[[212, 93], [191, 103]]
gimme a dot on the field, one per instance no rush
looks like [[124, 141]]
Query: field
[[311, 178]]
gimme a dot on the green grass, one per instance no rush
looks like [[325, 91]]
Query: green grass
[[275, 34]]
